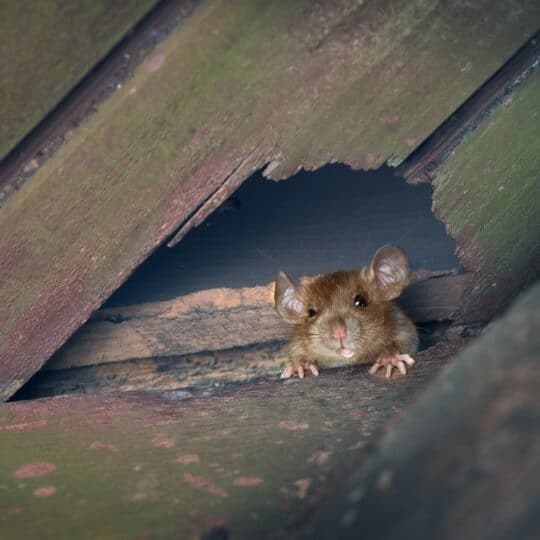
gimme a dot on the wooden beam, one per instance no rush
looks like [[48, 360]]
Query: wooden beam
[[218, 319]]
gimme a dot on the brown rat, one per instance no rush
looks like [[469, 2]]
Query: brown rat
[[349, 317]]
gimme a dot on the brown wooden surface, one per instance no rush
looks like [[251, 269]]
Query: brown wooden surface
[[104, 78], [198, 372], [422, 164], [295, 459], [219, 319], [297, 84], [465, 461]]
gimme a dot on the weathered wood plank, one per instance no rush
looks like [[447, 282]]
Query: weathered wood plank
[[199, 372], [148, 465], [421, 165], [296, 83], [46, 48], [487, 191], [218, 319], [464, 462]]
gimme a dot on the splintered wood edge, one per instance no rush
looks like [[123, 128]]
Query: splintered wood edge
[[218, 319]]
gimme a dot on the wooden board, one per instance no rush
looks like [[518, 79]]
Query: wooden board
[[47, 47], [240, 84], [240, 463], [195, 373], [218, 319], [464, 463]]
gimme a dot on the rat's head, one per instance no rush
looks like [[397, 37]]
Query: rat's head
[[344, 313]]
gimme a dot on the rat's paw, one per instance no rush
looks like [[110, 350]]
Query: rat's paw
[[390, 361], [300, 370]]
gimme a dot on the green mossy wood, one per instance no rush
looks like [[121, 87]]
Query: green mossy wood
[[487, 191], [238, 85], [46, 47]]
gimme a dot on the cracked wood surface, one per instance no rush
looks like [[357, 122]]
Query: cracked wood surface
[[296, 84]]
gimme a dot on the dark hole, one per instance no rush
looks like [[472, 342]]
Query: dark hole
[[313, 222]]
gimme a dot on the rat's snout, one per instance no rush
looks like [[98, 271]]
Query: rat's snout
[[338, 329]]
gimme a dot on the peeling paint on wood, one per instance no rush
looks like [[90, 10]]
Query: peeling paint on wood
[[303, 83]]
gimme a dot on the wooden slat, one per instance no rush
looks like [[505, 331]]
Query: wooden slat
[[215, 320], [487, 191], [296, 83], [46, 48], [238, 464], [422, 164]]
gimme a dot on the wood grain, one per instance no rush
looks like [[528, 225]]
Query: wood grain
[[163, 465]]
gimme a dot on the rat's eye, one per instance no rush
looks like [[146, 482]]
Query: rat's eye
[[360, 301], [311, 313]]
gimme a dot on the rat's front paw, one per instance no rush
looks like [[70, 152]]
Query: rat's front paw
[[390, 361], [300, 369]]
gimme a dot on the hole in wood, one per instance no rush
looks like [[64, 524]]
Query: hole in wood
[[200, 314]]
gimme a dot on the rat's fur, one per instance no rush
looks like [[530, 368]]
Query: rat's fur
[[379, 327]]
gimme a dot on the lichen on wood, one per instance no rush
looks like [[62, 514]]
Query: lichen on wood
[[487, 191], [47, 47]]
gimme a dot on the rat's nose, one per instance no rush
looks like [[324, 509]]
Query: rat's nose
[[338, 330]]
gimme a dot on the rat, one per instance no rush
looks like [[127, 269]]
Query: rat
[[349, 317]]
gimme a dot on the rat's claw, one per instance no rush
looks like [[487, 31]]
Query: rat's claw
[[300, 370], [375, 367], [287, 373], [389, 361], [407, 359]]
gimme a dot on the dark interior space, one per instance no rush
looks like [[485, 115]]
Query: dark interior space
[[311, 223]]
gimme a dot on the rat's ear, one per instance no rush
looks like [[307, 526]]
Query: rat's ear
[[288, 300], [389, 271]]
